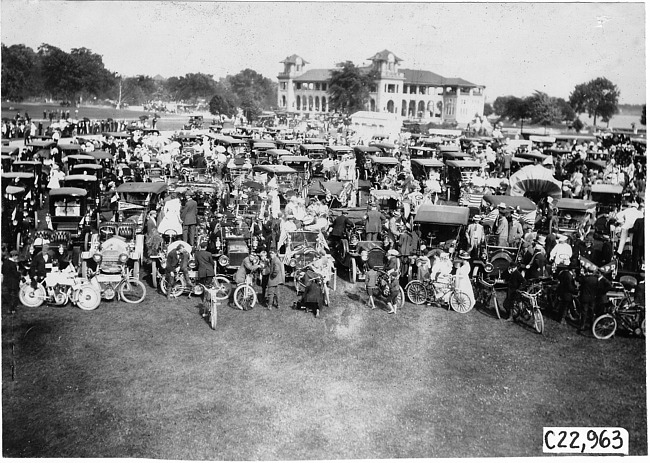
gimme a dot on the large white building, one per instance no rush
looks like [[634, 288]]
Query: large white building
[[410, 93]]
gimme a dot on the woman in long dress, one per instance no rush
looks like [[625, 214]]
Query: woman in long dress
[[463, 281], [171, 217]]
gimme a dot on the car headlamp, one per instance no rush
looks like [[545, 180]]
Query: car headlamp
[[97, 258], [292, 262], [123, 258], [224, 260]]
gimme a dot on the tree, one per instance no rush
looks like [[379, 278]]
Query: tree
[[598, 97], [20, 72], [577, 124], [254, 92], [224, 102], [487, 109], [543, 109], [511, 107], [348, 88], [191, 87], [567, 112]]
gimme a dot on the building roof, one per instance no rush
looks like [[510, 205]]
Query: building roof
[[383, 56], [292, 59], [314, 75], [418, 76]]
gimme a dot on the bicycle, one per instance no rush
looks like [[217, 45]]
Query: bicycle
[[245, 296], [528, 308], [487, 295], [212, 297], [622, 313], [444, 291], [383, 288]]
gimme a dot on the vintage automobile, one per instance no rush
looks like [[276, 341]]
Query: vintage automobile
[[289, 145], [87, 169], [38, 146], [362, 159], [608, 197], [386, 148], [232, 145], [260, 152], [302, 165], [6, 162], [27, 181], [499, 257], [570, 215], [347, 251], [423, 167], [69, 149], [340, 152], [11, 152], [69, 217], [136, 199], [441, 224], [90, 183], [316, 153], [232, 248], [460, 174], [195, 122], [75, 159], [39, 171], [287, 179], [104, 158], [422, 152]]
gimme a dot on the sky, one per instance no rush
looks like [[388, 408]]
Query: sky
[[510, 48]]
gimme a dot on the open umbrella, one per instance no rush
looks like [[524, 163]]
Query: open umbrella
[[535, 181], [144, 117], [220, 149]]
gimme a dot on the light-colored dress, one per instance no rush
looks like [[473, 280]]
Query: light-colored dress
[[171, 217], [464, 283]]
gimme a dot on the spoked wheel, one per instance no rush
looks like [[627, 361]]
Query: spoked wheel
[[87, 298], [245, 297], [604, 327], [538, 320], [223, 287], [177, 289], [326, 295], [353, 270], [132, 291], [460, 302], [416, 292], [30, 297]]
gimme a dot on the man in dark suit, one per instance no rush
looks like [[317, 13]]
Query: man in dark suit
[[173, 261], [41, 265], [374, 219], [339, 226], [188, 217], [204, 263]]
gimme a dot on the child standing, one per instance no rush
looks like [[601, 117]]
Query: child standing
[[371, 284]]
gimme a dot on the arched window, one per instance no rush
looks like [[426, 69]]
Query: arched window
[[317, 103], [404, 108], [324, 104], [311, 103], [284, 101], [298, 103], [390, 106], [372, 105], [411, 109], [430, 109], [421, 109]]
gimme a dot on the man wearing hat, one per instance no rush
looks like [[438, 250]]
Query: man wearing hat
[[10, 280], [593, 289], [515, 230], [41, 264], [188, 217], [500, 226], [276, 278], [567, 291], [535, 263], [341, 223], [626, 218]]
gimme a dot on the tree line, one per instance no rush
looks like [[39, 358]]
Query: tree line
[[80, 76]]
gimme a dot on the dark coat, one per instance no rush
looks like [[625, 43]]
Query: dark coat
[[172, 261], [39, 267], [339, 225], [276, 272], [189, 212], [10, 274], [205, 263], [567, 287], [313, 292]]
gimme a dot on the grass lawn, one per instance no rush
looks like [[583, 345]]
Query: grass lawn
[[154, 381]]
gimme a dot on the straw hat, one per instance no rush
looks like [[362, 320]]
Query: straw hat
[[392, 252]]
